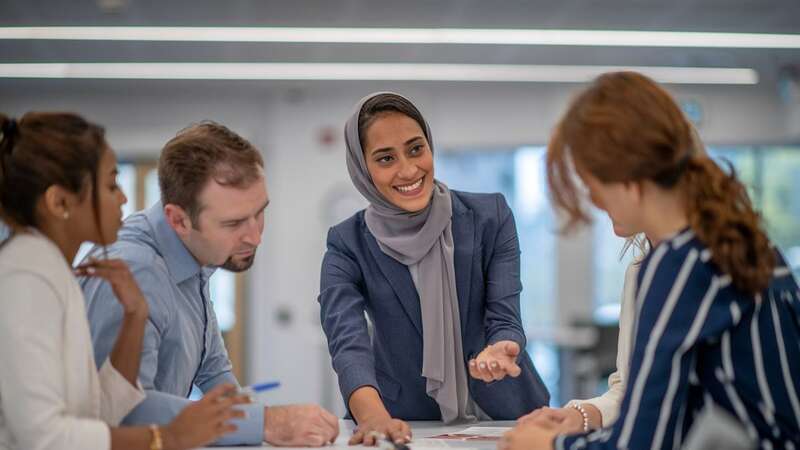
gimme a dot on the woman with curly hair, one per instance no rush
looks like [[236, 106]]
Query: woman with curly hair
[[717, 311]]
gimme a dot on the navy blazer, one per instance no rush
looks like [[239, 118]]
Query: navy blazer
[[357, 277]]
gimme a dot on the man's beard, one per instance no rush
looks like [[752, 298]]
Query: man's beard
[[240, 265]]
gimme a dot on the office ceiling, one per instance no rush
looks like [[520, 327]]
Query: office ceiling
[[763, 16]]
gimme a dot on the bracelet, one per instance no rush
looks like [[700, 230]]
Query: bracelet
[[585, 415], [156, 443]]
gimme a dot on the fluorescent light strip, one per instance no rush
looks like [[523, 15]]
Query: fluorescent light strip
[[411, 36], [359, 71]]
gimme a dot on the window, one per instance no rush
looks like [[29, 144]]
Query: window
[[779, 201], [126, 179], [4, 231], [772, 175]]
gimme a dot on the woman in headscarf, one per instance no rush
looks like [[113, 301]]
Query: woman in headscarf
[[437, 272]]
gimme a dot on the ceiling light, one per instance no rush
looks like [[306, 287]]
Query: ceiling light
[[367, 71], [613, 38]]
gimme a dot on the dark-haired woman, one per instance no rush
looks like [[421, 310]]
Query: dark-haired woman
[[437, 272], [58, 189], [717, 321]]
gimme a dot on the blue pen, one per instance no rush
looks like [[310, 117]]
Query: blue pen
[[262, 387], [257, 388]]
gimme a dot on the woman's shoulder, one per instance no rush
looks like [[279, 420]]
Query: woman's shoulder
[[356, 221], [676, 249], [478, 198], [31, 254], [482, 204], [681, 257], [30, 250], [348, 231]]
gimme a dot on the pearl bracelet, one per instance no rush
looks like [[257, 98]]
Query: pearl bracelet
[[584, 414]]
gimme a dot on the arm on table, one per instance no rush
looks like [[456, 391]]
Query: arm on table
[[342, 316]]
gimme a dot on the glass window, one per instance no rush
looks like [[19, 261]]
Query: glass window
[[126, 179], [744, 162], [780, 199], [4, 231], [152, 192], [771, 176]]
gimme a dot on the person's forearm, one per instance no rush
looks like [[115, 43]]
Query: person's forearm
[[127, 351], [130, 438], [133, 438], [365, 404], [161, 408]]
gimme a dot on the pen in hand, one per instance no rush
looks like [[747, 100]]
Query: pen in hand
[[258, 388]]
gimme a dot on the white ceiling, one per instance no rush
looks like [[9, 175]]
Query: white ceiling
[[695, 15]]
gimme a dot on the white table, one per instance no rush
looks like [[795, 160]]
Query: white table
[[421, 430]]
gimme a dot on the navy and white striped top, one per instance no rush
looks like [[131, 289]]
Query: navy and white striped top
[[700, 340]]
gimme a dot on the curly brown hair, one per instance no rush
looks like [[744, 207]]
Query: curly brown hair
[[627, 128]]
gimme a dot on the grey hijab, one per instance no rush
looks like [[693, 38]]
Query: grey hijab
[[423, 241]]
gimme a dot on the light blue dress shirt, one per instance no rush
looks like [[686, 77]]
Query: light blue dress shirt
[[183, 344]]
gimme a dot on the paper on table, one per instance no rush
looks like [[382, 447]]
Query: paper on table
[[445, 444], [485, 431], [475, 434]]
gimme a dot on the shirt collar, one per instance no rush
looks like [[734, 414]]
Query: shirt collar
[[181, 264]]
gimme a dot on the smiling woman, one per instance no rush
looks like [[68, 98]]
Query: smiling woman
[[437, 271], [398, 155]]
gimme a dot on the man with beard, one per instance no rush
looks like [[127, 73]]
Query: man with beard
[[211, 215]]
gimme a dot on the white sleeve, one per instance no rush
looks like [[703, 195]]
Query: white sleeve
[[32, 378], [609, 403], [119, 397]]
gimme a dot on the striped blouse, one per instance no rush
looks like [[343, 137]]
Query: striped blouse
[[699, 341]]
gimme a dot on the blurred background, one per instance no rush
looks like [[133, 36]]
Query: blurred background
[[286, 75]]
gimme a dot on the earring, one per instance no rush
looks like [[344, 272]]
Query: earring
[[66, 215]]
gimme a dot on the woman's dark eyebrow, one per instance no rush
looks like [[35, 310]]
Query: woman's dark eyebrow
[[411, 141], [388, 149], [382, 150]]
